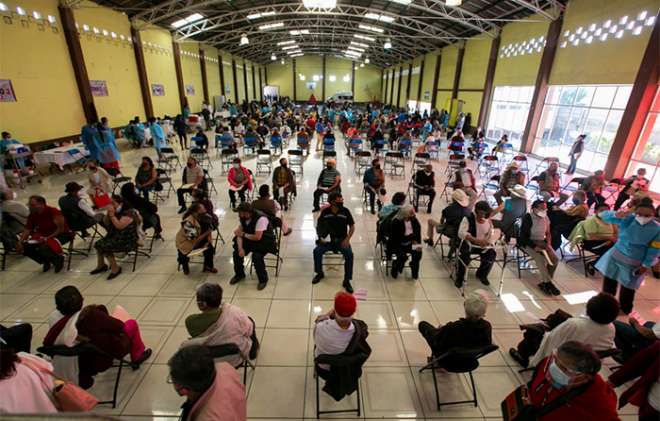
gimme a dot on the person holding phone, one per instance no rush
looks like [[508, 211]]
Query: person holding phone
[[634, 253]]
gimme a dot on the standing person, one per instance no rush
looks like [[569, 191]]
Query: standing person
[[634, 252], [180, 127], [284, 182], [575, 153], [254, 235], [374, 182], [192, 236], [91, 138], [108, 153], [157, 135], [337, 223]]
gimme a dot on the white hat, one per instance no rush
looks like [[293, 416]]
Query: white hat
[[460, 197], [518, 191]]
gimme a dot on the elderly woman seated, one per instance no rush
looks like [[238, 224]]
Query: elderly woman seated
[[468, 332], [195, 234], [25, 384], [219, 323], [116, 335], [595, 235]]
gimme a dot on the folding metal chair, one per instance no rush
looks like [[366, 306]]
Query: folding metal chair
[[394, 164], [362, 162], [264, 163], [227, 157], [295, 160]]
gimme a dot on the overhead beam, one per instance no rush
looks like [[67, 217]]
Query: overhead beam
[[549, 9]]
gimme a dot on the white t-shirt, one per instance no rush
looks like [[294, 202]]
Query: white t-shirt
[[262, 224], [331, 339], [408, 228]]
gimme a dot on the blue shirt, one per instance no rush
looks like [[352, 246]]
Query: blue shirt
[[637, 241], [158, 135], [91, 138]]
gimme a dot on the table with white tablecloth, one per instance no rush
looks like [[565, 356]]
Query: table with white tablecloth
[[64, 155]]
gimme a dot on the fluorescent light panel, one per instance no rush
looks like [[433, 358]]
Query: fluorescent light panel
[[299, 32], [190, 19], [320, 4], [352, 47], [371, 28], [259, 15], [359, 44], [404, 2], [289, 47], [291, 41], [381, 18], [271, 26], [364, 37]]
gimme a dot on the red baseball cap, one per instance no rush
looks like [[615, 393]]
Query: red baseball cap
[[345, 304]]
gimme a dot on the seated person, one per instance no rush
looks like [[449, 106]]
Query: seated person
[[192, 178], [550, 185], [201, 140], [337, 332], [71, 325], [563, 221], [284, 182], [226, 139], [253, 235], [476, 233], [337, 223], [146, 179], [213, 390], [9, 144], [123, 225], [511, 177], [470, 331], [13, 217], [77, 212], [595, 235], [303, 139], [405, 239], [463, 179], [478, 147], [593, 187], [374, 184], [535, 238], [637, 183], [328, 141], [192, 236], [17, 336], [450, 220], [271, 208], [25, 383], [219, 323], [501, 145], [424, 183], [595, 329], [100, 182], [512, 208], [148, 210], [398, 199], [329, 181], [572, 373], [633, 336], [46, 231], [240, 181], [211, 221]]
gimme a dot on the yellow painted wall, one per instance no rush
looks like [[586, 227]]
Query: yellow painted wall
[[395, 96], [414, 78], [280, 75], [229, 77], [36, 60], [339, 69], [159, 61], [111, 60], [308, 66], [472, 103], [448, 67], [430, 60], [404, 85], [475, 62], [192, 74], [239, 79], [212, 71], [367, 83], [614, 61], [520, 70], [443, 101]]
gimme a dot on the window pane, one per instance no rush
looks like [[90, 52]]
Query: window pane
[[568, 95], [651, 153], [604, 96], [593, 127], [609, 132], [584, 95], [621, 98], [553, 95], [499, 92], [545, 123], [559, 126], [575, 124]]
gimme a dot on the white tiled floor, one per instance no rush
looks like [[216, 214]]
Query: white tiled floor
[[282, 386]]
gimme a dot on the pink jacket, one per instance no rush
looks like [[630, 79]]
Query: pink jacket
[[246, 174], [225, 399]]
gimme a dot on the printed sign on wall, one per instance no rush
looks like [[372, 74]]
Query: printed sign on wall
[[157, 90], [6, 91], [99, 87], [427, 95], [311, 85], [190, 90], [227, 89]]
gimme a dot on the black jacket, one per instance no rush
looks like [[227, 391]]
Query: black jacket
[[397, 238], [462, 333], [346, 368], [525, 231]]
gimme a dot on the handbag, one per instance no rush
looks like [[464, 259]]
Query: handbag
[[101, 199], [68, 397]]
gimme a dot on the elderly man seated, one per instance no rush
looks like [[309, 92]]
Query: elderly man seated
[[424, 183], [595, 329], [476, 233], [550, 184], [329, 181], [213, 390], [219, 323], [78, 213], [337, 333], [467, 332], [450, 219]]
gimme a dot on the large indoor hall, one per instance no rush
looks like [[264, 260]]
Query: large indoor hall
[[296, 210]]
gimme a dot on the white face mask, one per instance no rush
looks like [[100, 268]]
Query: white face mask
[[643, 220], [541, 213], [237, 166]]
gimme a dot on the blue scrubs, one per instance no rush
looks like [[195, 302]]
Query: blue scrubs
[[91, 138], [158, 136]]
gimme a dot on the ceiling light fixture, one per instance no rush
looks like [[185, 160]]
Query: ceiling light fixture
[[282, 61], [453, 3], [289, 47], [371, 28], [388, 44], [299, 32], [381, 18], [190, 19], [291, 41], [366, 60], [271, 26], [364, 37], [244, 40], [273, 57], [359, 44], [404, 2], [320, 4], [352, 47], [259, 15]]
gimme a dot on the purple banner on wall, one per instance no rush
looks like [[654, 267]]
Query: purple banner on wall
[[99, 87], [7, 93], [157, 90]]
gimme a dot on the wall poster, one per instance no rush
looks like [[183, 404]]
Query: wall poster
[[99, 87]]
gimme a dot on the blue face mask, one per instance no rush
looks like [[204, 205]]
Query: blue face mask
[[559, 378], [577, 201]]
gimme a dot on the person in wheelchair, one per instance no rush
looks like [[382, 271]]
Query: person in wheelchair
[[374, 184], [476, 235], [450, 220], [424, 185], [405, 239]]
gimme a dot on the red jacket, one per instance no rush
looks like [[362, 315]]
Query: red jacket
[[246, 174], [597, 403], [645, 365]]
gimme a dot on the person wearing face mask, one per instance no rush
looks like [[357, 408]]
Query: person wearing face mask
[[77, 212], [568, 384], [91, 138], [284, 182], [576, 151], [563, 221], [108, 154], [146, 179], [192, 235], [593, 187], [100, 182], [374, 184], [46, 231], [463, 179], [254, 235], [550, 184], [213, 390], [405, 239], [633, 186], [511, 177], [337, 223], [512, 208], [476, 233], [595, 235], [329, 181], [240, 181], [157, 135], [193, 178], [424, 183], [633, 254], [536, 239]]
